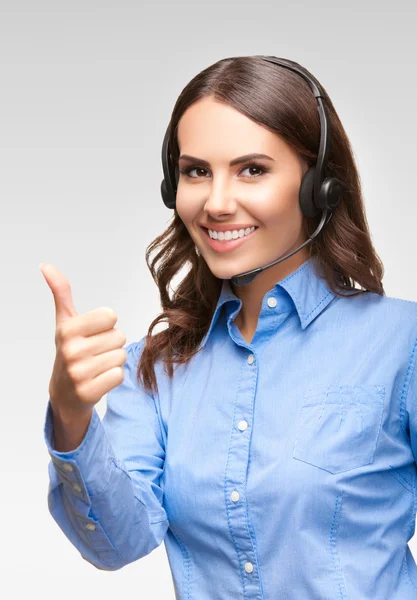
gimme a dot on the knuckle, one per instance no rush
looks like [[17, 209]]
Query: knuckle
[[82, 392], [120, 375], [74, 373], [62, 332], [122, 354], [58, 333], [108, 315], [69, 351]]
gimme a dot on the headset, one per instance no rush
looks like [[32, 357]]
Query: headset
[[318, 192]]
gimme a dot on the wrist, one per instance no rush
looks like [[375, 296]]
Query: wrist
[[69, 430], [71, 417]]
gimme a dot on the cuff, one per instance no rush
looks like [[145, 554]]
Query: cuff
[[87, 467]]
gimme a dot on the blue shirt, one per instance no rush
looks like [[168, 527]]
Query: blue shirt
[[280, 469]]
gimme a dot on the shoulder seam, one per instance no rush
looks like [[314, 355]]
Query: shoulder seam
[[401, 299]]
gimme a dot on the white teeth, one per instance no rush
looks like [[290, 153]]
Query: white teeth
[[229, 235]]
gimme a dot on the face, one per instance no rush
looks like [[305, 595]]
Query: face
[[263, 194]]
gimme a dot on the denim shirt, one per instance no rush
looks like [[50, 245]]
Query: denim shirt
[[284, 468]]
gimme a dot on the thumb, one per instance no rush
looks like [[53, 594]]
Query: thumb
[[61, 290]]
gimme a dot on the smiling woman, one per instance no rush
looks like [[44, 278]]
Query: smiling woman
[[279, 458], [240, 153]]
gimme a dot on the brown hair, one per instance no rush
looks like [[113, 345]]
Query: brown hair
[[282, 101]]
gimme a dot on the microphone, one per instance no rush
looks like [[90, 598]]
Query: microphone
[[248, 276]]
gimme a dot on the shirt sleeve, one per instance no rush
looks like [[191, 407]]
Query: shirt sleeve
[[106, 495]]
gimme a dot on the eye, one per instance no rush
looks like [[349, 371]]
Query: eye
[[258, 167], [254, 165], [187, 170]]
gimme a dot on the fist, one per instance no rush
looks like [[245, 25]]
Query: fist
[[89, 351]]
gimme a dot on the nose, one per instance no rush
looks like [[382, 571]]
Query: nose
[[220, 199]]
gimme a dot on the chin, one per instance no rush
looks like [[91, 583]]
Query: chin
[[228, 271]]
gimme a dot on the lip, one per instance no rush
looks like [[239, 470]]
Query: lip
[[226, 246], [228, 227]]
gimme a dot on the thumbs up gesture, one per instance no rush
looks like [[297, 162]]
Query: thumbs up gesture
[[89, 352]]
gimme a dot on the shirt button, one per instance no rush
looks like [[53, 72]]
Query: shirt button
[[251, 358], [90, 526], [272, 302], [235, 496], [67, 467], [76, 487], [242, 425], [248, 567]]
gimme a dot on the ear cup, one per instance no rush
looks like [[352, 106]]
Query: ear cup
[[306, 194], [167, 195], [168, 187], [332, 189]]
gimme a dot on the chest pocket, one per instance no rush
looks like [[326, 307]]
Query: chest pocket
[[338, 426]]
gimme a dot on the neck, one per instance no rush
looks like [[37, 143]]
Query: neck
[[253, 293]]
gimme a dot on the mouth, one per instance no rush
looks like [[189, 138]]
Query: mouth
[[226, 246]]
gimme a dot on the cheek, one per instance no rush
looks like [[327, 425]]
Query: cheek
[[274, 205], [278, 210], [185, 208]]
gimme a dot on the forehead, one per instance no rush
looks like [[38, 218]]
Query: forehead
[[209, 127]]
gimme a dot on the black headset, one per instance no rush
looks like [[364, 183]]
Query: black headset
[[318, 193]]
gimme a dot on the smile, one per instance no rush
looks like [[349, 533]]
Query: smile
[[226, 246]]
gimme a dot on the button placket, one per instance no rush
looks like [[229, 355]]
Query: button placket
[[236, 479]]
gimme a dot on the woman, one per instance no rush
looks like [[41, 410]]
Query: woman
[[278, 458]]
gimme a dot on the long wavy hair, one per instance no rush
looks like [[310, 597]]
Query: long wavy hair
[[282, 101]]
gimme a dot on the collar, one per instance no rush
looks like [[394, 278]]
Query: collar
[[307, 290]]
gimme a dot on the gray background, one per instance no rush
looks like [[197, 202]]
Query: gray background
[[87, 89]]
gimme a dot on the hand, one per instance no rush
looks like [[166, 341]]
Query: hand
[[89, 352]]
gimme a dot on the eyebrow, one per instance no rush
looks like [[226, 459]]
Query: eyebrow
[[235, 161]]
